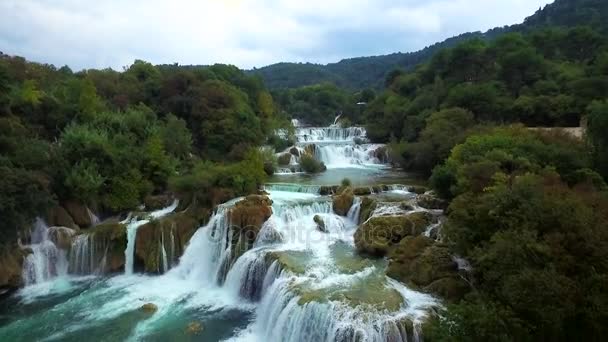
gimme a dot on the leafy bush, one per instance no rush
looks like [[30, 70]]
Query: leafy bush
[[310, 165], [346, 182]]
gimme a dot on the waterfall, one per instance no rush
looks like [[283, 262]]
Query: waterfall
[[132, 225], [209, 250], [353, 212], [330, 134], [87, 256], [287, 187], [163, 253], [46, 260]]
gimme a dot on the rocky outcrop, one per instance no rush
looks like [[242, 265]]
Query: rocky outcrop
[[172, 233], [429, 200], [149, 308], [248, 216], [61, 237], [58, 216], [156, 202], [328, 190], [112, 237], [417, 189], [194, 328], [368, 205], [343, 201], [284, 159], [79, 213], [11, 264], [379, 234], [294, 150], [362, 191], [320, 223], [428, 266]]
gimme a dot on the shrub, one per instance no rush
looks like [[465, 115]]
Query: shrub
[[310, 165], [346, 182]]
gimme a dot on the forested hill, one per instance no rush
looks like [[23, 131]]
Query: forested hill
[[370, 72]]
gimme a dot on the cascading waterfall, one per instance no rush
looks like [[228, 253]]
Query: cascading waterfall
[[132, 225], [287, 187], [347, 155], [46, 260], [330, 134], [86, 256]]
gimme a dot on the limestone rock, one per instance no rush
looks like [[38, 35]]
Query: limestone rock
[[157, 202], [58, 216], [79, 213], [194, 328], [343, 201], [377, 235], [294, 150], [367, 207], [320, 223], [61, 237], [284, 159], [417, 189], [249, 215], [149, 308], [430, 201], [362, 191], [11, 264]]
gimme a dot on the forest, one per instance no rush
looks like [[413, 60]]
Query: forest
[[109, 139]]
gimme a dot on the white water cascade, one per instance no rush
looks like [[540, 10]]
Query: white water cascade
[[133, 224], [45, 261]]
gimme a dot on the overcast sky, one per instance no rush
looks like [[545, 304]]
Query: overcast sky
[[247, 33]]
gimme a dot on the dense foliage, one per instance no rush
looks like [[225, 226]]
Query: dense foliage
[[546, 78], [108, 139], [531, 218]]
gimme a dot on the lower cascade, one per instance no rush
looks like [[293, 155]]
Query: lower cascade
[[292, 276]]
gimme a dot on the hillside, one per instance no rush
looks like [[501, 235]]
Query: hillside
[[364, 72]]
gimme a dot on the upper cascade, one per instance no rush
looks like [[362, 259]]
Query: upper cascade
[[330, 134]]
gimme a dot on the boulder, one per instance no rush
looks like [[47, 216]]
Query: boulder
[[327, 190], [343, 201], [58, 216], [157, 202], [113, 237], [381, 153], [11, 264], [149, 308], [194, 328], [284, 159], [425, 265], [294, 150], [269, 168], [248, 216], [362, 191], [430, 201], [79, 212], [320, 223], [417, 189], [61, 237], [368, 205], [378, 234]]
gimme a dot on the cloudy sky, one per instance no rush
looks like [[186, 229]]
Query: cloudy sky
[[247, 33]]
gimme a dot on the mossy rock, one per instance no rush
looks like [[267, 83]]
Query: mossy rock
[[157, 202], [11, 264], [343, 201], [284, 159], [426, 265], [417, 189], [320, 223], [372, 293], [451, 288], [368, 205], [328, 190], [149, 308], [248, 216], [293, 261], [430, 201], [61, 237], [194, 328], [378, 234], [362, 191]]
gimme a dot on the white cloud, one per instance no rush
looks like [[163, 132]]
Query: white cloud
[[112, 33]]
